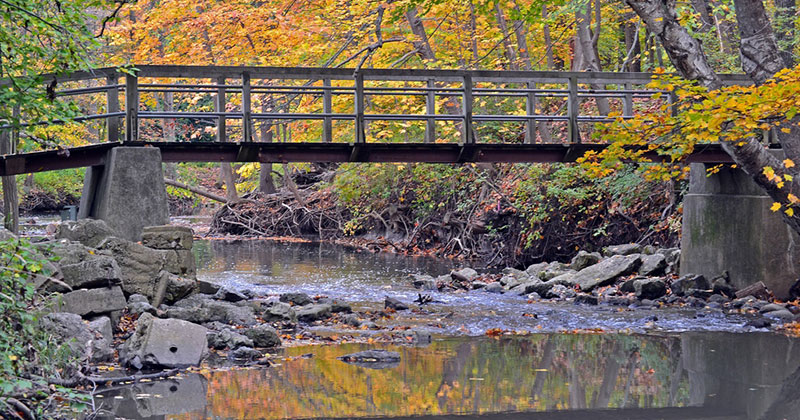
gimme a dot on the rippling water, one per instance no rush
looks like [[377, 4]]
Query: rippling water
[[683, 364]]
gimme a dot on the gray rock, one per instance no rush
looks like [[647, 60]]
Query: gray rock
[[140, 265], [606, 271], [560, 291], [718, 299], [340, 307], [264, 336], [299, 299], [493, 288], [89, 232], [689, 281], [465, 274], [245, 354], [534, 296], [313, 313], [229, 295], [534, 269], [91, 301], [102, 325], [478, 285], [738, 303], [424, 282], [627, 285], [783, 315], [759, 322], [81, 340], [206, 287], [97, 270], [586, 299], [178, 288], [555, 270], [519, 275], [201, 309], [529, 287], [179, 261], [650, 288], [584, 259], [653, 265], [138, 298], [169, 343], [279, 311], [625, 249], [167, 237], [69, 252], [772, 307], [225, 338], [722, 286], [392, 303], [373, 359], [352, 320]]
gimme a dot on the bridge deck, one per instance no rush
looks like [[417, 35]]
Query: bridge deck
[[94, 155]]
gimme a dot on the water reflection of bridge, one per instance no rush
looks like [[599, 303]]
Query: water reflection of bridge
[[592, 377]]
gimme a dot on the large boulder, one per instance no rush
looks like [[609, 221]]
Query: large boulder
[[170, 343], [313, 313], [167, 237], [89, 232], [650, 288], [140, 265], [97, 270], [82, 341], [653, 265], [690, 281], [202, 308], [264, 336], [606, 271], [91, 301]]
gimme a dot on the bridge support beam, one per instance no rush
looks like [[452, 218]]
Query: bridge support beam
[[728, 226], [128, 192]]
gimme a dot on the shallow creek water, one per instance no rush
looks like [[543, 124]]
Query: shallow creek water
[[674, 364]]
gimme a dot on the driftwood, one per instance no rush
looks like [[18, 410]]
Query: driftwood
[[196, 190], [757, 290]]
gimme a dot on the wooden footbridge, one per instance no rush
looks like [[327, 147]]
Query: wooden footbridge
[[444, 115]]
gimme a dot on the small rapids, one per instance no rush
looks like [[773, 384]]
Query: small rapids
[[364, 279]]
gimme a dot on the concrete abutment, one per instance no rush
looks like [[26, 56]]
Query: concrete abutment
[[128, 192], [728, 226]]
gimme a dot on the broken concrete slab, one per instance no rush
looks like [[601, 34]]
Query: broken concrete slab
[[171, 343], [91, 301], [167, 237]]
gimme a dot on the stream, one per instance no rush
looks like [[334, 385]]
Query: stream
[[579, 362]]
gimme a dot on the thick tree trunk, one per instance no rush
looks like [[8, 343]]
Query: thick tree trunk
[[633, 49], [685, 52], [785, 14], [587, 42], [761, 60], [421, 42], [521, 33], [548, 40]]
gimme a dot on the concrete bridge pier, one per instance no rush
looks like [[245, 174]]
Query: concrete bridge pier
[[128, 192], [727, 225]]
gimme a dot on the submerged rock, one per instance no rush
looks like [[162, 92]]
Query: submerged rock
[[373, 359], [392, 303]]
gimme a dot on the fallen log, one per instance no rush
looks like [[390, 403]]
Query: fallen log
[[196, 190]]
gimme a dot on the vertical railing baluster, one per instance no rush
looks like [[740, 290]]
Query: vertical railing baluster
[[627, 107], [466, 132], [131, 107], [530, 111], [430, 109], [574, 135], [360, 135], [247, 112], [327, 109], [112, 106], [220, 108]]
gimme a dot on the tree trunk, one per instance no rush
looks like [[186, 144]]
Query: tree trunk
[[760, 59], [421, 42], [548, 40], [785, 14], [521, 33], [508, 50], [633, 49], [266, 184], [10, 197], [587, 42]]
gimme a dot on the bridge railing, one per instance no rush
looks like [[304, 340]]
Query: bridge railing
[[542, 107]]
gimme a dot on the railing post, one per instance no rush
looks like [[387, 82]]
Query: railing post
[[220, 108], [430, 109], [466, 132], [131, 107], [574, 135], [327, 109], [530, 111], [112, 106], [360, 136], [247, 113], [627, 108]]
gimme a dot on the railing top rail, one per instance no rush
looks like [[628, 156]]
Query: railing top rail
[[307, 73]]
